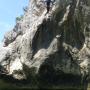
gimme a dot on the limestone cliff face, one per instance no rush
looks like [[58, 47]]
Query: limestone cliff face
[[49, 44]]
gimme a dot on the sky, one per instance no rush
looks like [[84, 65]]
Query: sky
[[9, 10]]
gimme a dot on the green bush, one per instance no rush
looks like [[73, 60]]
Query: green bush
[[19, 18]]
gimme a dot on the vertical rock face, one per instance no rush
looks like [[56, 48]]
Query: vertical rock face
[[49, 44]]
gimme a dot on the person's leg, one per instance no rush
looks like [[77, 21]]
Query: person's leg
[[48, 7]]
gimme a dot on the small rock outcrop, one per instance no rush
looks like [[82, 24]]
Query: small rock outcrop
[[49, 46]]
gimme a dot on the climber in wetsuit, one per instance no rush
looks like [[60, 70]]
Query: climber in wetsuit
[[48, 3]]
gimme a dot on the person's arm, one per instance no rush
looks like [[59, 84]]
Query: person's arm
[[51, 2]]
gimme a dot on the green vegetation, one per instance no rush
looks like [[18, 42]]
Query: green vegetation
[[19, 18]]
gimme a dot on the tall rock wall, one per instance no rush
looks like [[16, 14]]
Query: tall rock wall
[[49, 44]]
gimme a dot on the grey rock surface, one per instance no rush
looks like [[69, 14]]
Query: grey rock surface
[[59, 40]]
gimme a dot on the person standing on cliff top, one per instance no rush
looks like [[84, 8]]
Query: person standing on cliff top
[[48, 3]]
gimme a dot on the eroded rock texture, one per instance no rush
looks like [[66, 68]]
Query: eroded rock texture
[[49, 45]]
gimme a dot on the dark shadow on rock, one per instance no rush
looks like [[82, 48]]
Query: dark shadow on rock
[[44, 35], [50, 77]]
